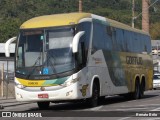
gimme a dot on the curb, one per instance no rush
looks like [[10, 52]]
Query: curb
[[10, 102], [15, 104], [4, 98]]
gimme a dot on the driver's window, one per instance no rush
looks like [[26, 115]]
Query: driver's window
[[79, 54], [19, 64]]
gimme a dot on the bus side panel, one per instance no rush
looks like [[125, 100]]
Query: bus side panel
[[117, 70], [108, 76]]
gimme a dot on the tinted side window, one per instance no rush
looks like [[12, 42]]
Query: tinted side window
[[98, 36], [120, 40], [108, 38], [148, 44], [85, 26]]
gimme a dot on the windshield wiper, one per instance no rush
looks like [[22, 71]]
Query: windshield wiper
[[49, 61], [34, 65]]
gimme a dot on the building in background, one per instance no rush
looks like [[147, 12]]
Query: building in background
[[156, 54], [2, 50], [3, 59]]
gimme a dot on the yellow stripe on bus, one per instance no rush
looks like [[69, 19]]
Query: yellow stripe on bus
[[31, 83]]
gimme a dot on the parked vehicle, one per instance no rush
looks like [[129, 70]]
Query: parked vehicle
[[156, 81]]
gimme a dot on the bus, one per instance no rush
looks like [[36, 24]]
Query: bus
[[80, 56]]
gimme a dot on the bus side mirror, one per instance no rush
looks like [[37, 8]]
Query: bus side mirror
[[7, 52], [76, 41]]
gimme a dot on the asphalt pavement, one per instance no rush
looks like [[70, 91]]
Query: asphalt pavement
[[115, 107], [9, 102]]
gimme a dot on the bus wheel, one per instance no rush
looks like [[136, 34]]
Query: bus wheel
[[93, 101], [142, 89], [43, 105], [101, 99], [136, 93]]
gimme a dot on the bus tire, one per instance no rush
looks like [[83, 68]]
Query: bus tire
[[142, 89], [93, 101], [136, 93], [127, 96], [43, 105], [101, 99]]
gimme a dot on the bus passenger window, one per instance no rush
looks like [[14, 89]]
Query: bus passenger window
[[98, 37], [109, 31]]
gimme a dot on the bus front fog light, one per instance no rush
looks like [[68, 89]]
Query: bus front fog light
[[20, 86]]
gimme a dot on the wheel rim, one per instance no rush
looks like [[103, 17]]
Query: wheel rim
[[137, 91], [95, 96]]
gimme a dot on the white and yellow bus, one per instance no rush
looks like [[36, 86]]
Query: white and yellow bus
[[80, 56]]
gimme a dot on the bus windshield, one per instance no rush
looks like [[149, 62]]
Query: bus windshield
[[45, 52]]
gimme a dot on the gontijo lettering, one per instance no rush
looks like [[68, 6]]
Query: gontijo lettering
[[134, 60], [32, 83]]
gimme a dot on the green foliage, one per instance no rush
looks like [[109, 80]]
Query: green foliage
[[155, 30], [15, 12], [9, 28]]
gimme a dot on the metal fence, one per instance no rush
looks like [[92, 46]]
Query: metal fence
[[7, 78]]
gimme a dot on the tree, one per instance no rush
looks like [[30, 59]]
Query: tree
[[15, 12], [154, 31]]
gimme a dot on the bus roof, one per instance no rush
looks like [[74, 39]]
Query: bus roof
[[54, 20], [64, 19], [124, 26], [117, 24]]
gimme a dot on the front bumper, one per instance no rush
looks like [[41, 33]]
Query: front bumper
[[71, 92]]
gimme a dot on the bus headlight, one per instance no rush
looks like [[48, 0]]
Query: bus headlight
[[19, 85], [70, 82]]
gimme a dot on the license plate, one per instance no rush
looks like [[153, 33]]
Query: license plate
[[42, 95]]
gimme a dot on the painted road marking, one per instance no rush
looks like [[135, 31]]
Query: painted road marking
[[156, 109], [127, 109], [96, 108]]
